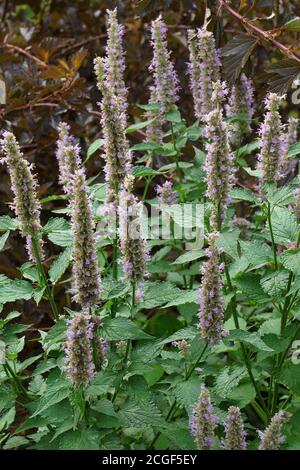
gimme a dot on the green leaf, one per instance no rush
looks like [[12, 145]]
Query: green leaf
[[284, 225], [56, 224], [256, 252], [138, 126], [290, 377], [55, 336], [275, 284], [144, 171], [291, 260], [242, 194], [187, 392], [96, 145], [81, 439], [294, 150], [3, 239], [189, 256], [56, 392], [187, 296], [61, 237], [252, 339], [248, 148], [228, 242], [149, 107], [60, 265], [8, 223], [249, 285], [119, 328], [292, 25], [158, 293], [173, 116], [112, 289], [146, 146], [228, 379], [140, 414], [15, 442], [12, 290], [105, 407]]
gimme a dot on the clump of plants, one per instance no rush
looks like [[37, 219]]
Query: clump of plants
[[169, 338]]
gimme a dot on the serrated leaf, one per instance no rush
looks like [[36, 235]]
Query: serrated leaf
[[8, 223], [60, 265], [12, 290], [188, 296], [141, 414], [120, 328], [187, 392], [61, 237], [236, 53], [284, 225], [189, 256], [158, 293], [256, 252], [291, 260], [55, 393], [275, 284], [252, 339], [228, 379], [173, 116], [290, 377], [81, 439], [242, 194]]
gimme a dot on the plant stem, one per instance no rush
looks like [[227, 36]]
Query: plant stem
[[43, 277], [174, 405], [177, 153], [236, 323], [272, 236]]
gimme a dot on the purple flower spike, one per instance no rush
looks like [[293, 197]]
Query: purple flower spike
[[203, 421]]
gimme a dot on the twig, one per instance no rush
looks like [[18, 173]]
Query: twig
[[82, 43], [265, 35], [24, 52]]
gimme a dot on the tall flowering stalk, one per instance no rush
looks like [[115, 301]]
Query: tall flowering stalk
[[273, 141], [211, 302], [271, 438], [100, 345], [203, 421], [204, 69], [24, 184], [86, 277], [68, 158], [164, 90], [116, 149], [241, 101], [219, 159], [234, 430], [115, 58], [133, 243], [80, 366]]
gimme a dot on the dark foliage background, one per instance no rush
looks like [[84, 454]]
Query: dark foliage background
[[46, 62]]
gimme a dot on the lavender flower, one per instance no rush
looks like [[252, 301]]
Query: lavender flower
[[273, 141], [241, 101], [203, 421], [68, 158], [23, 183], [133, 243], [210, 296], [80, 367], [165, 193], [204, 69], [292, 133], [115, 59], [86, 275], [271, 438], [165, 87], [116, 149], [219, 159], [183, 347], [234, 430]]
